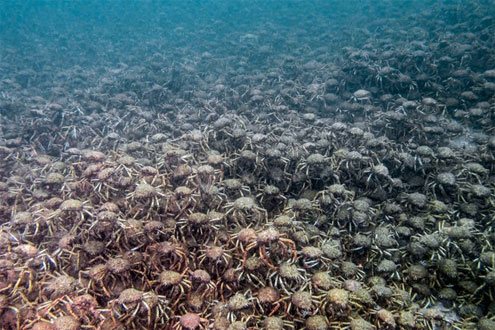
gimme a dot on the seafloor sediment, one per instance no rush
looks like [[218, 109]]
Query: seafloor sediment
[[275, 181]]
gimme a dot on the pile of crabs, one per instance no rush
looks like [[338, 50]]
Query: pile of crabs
[[248, 188]]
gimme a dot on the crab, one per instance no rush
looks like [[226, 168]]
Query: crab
[[253, 270], [386, 73], [103, 277], [443, 184], [173, 157], [271, 197], [288, 277], [198, 225], [217, 160], [202, 283], [198, 139], [303, 209], [180, 200], [245, 161], [337, 302], [473, 171], [245, 210], [352, 160], [248, 38], [313, 257], [205, 175], [75, 208], [385, 319], [377, 176], [477, 192], [239, 306], [147, 194], [361, 95], [278, 323], [29, 224], [81, 307], [268, 301], [269, 242], [303, 302], [235, 188], [60, 286], [313, 164], [190, 321], [214, 258], [173, 285], [230, 282], [105, 181], [134, 306], [167, 255]]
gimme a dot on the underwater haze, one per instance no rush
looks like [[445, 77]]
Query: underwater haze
[[247, 164], [93, 32]]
